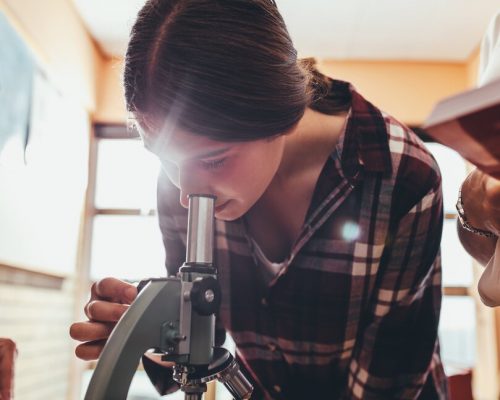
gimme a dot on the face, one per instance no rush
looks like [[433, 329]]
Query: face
[[237, 173]]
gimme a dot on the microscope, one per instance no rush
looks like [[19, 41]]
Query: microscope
[[175, 317]]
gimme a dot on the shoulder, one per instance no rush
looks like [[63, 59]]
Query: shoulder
[[415, 172], [407, 150], [385, 145]]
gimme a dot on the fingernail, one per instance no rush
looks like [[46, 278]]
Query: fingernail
[[131, 293]]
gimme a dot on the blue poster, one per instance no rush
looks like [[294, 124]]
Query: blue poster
[[16, 80]]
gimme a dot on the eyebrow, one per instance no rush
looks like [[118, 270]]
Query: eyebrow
[[202, 156], [212, 153]]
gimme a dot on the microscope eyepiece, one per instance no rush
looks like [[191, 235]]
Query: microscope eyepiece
[[200, 241]]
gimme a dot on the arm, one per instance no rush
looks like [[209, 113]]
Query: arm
[[481, 203], [394, 351], [479, 247]]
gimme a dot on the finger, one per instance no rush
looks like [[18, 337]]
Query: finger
[[90, 331], [90, 350], [115, 290], [104, 311], [8, 346], [93, 293], [7, 363]]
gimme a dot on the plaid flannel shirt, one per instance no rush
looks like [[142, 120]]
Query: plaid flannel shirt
[[354, 311]]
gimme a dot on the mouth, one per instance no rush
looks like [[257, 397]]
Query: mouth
[[221, 207]]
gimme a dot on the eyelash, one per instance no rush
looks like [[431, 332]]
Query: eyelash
[[215, 164]]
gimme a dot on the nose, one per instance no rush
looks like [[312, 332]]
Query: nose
[[190, 183], [188, 180]]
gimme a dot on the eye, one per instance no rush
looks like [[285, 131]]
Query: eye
[[214, 164]]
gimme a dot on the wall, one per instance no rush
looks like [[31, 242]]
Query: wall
[[36, 309], [55, 33], [110, 97], [37, 318], [473, 67], [407, 90]]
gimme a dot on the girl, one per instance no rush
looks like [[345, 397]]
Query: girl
[[329, 212]]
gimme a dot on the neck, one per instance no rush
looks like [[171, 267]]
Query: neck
[[311, 142], [275, 223]]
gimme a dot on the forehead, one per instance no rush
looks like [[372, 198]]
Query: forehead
[[180, 145]]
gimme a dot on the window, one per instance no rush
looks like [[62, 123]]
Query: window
[[125, 240], [457, 328], [467, 327]]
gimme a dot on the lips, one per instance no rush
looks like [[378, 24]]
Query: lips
[[221, 207]]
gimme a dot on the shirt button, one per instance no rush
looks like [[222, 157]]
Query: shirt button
[[263, 301], [272, 347], [277, 388]]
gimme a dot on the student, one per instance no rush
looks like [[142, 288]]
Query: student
[[479, 203], [8, 354], [329, 211]]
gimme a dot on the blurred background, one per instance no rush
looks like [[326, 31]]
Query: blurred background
[[77, 189]]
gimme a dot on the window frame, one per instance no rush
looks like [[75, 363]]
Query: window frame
[[487, 324]]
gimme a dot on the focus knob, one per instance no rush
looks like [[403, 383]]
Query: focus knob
[[206, 296]]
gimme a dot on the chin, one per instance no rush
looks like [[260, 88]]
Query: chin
[[229, 214], [227, 217]]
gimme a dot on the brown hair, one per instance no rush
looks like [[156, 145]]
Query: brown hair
[[225, 69]]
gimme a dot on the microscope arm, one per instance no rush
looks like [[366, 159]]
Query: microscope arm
[[136, 332], [176, 317]]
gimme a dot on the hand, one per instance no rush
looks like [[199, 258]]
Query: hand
[[481, 200], [8, 354], [109, 299]]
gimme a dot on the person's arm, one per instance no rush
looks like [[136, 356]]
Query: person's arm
[[481, 205], [479, 247], [394, 352], [8, 354]]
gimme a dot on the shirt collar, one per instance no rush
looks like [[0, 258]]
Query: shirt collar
[[365, 145]]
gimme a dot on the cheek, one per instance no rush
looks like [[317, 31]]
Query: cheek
[[172, 173], [227, 182], [251, 179]]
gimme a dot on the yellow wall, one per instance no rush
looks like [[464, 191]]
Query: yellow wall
[[473, 67], [110, 99], [59, 40], [407, 90]]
